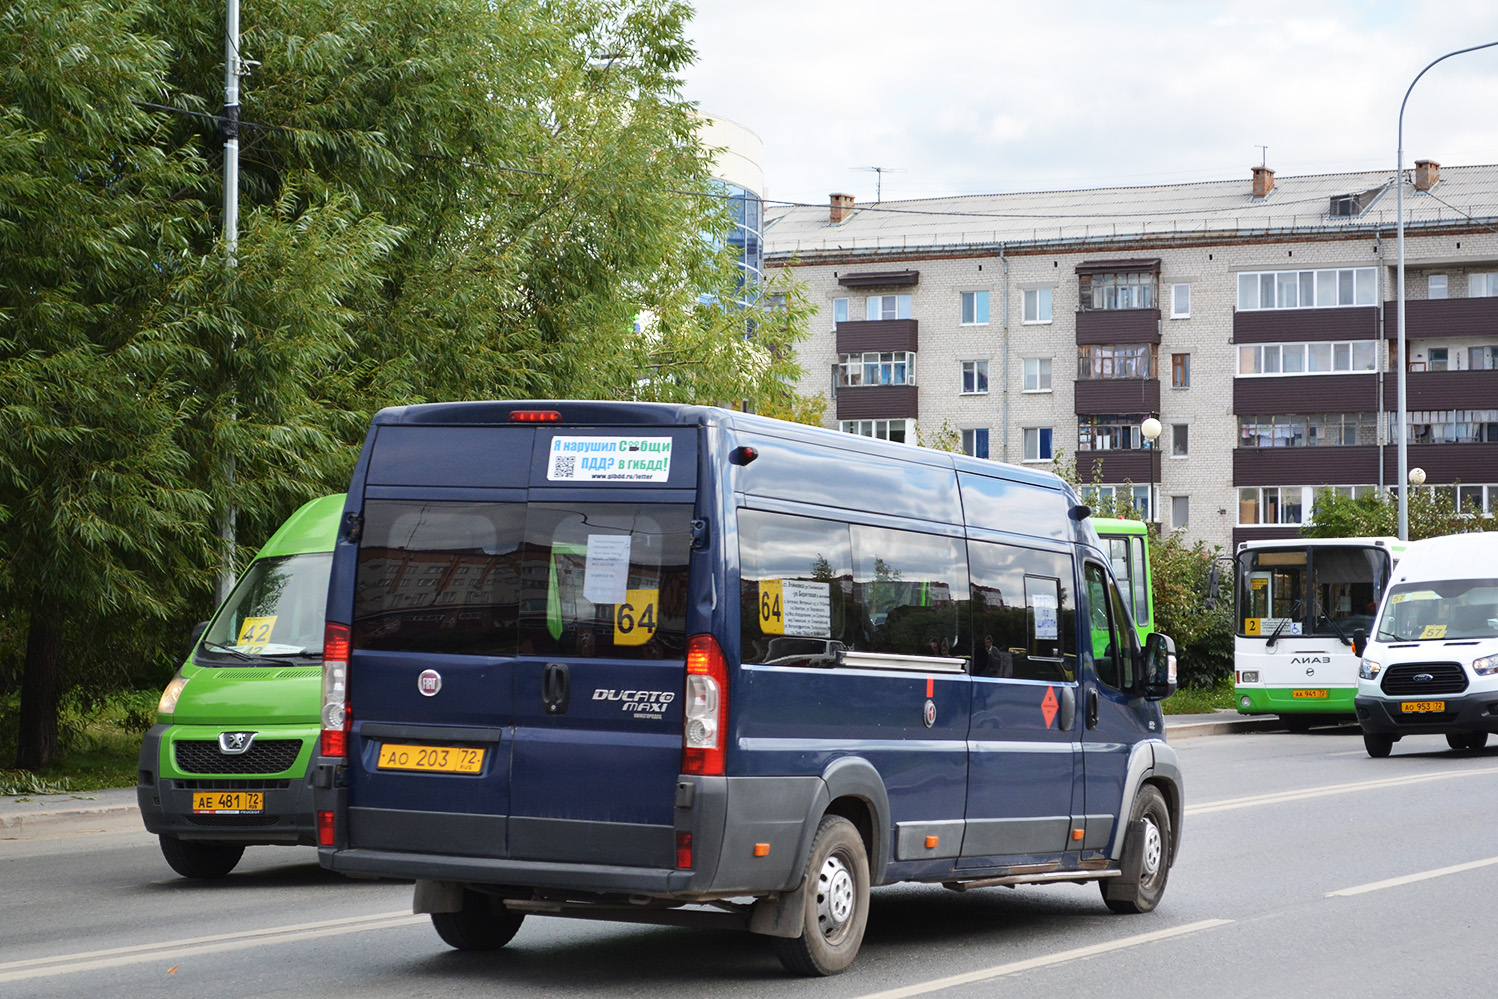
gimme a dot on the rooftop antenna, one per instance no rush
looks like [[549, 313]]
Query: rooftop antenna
[[879, 182], [1263, 155]]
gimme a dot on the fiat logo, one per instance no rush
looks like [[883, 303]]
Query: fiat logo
[[429, 682]]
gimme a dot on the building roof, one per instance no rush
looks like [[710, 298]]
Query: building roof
[[1212, 211]]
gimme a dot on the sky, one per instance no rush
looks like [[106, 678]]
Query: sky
[[955, 97]]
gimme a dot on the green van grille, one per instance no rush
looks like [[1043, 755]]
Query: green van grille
[[270, 756]]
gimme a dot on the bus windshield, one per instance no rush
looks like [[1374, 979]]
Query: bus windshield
[[1327, 590], [1444, 609]]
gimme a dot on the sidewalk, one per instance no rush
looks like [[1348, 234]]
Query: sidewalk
[[35, 816]]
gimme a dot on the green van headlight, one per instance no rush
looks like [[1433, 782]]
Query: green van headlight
[[169, 696]]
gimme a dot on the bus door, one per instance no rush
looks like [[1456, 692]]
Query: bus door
[[1023, 742]]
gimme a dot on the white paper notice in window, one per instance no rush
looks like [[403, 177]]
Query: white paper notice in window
[[1047, 621], [606, 573]]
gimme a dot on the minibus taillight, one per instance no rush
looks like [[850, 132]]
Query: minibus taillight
[[704, 727], [335, 709], [535, 416]]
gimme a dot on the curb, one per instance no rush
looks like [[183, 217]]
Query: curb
[[65, 821], [1226, 726]]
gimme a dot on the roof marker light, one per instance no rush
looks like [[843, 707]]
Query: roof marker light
[[535, 416]]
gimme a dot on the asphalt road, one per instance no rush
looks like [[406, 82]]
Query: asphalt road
[[1307, 869]]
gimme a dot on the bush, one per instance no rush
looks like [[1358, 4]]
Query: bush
[[1203, 635]]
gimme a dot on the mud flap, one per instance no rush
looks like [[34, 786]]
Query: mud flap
[[1126, 885], [437, 896], [780, 915]]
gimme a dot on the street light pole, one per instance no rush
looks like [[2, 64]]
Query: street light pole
[[1151, 428], [1404, 433]]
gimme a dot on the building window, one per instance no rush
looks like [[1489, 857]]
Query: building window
[[1109, 433], [1449, 426], [874, 368], [1180, 512], [1477, 499], [1180, 301], [888, 307], [1435, 286], [1037, 443], [1106, 361], [1037, 305], [1482, 285], [974, 378], [1106, 496], [1440, 358], [1037, 374], [1307, 358], [975, 308], [1272, 505], [1314, 430], [1121, 291], [839, 310], [1180, 370], [885, 430], [1307, 289], [975, 442], [1178, 440], [1482, 358]]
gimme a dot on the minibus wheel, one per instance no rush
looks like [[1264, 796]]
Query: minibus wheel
[[836, 905], [483, 924], [1466, 740], [196, 859], [1153, 818], [1378, 745]]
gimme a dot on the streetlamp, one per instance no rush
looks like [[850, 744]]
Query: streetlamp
[[1150, 428], [1404, 453]]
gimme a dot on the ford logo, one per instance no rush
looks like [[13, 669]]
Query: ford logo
[[1422, 677]]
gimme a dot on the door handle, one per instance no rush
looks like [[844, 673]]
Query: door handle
[[556, 688], [1091, 708]]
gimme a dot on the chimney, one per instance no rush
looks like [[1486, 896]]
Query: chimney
[[842, 207], [1427, 174], [1263, 181]]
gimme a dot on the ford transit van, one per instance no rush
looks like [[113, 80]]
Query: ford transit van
[[1430, 666]]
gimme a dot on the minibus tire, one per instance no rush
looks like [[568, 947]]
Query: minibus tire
[[195, 859], [1153, 818], [483, 924], [1378, 744], [1466, 740], [836, 907]]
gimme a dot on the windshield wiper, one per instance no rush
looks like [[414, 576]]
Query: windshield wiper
[[230, 650], [1338, 629], [1275, 637]]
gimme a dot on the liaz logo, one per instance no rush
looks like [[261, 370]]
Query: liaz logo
[[640, 703], [1311, 661]]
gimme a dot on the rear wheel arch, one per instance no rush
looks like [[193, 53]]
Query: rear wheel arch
[[856, 792]]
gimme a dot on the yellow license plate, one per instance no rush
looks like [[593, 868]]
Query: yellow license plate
[[438, 759], [1308, 693], [1418, 707], [228, 802]]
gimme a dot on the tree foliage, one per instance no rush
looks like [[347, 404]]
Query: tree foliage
[[454, 199], [1432, 513]]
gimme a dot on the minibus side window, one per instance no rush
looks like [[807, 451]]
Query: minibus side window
[[911, 592], [1024, 617], [795, 586]]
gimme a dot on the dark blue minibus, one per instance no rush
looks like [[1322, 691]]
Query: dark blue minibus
[[685, 665]]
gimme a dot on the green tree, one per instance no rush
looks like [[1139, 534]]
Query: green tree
[[461, 198], [1432, 513]]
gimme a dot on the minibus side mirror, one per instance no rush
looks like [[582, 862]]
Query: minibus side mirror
[[197, 633], [1359, 641], [1159, 667], [1214, 588]]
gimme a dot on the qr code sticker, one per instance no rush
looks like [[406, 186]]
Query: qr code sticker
[[566, 467]]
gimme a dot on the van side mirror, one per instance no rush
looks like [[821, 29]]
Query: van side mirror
[[1214, 587], [1359, 641], [1159, 667], [197, 633]]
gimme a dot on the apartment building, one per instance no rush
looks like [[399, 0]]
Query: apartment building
[[1254, 319]]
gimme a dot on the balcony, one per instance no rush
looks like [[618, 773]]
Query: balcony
[[1444, 317], [1140, 467], [1101, 326], [877, 402], [1100, 396], [1448, 389], [859, 335], [1266, 395], [1359, 464], [1301, 325]]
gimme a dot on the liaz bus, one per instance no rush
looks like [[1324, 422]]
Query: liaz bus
[[1127, 545], [682, 665], [1298, 603]]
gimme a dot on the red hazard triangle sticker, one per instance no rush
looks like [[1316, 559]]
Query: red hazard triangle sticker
[[1048, 706]]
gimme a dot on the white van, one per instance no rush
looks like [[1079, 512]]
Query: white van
[[1431, 664]]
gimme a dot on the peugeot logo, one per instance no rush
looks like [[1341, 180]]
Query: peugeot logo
[[429, 682], [235, 743], [1422, 677]]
